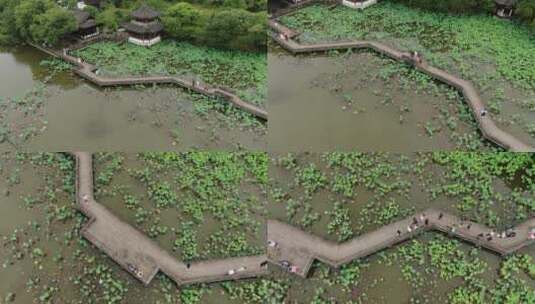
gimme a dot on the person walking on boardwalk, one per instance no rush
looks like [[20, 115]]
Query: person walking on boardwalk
[[417, 57], [531, 234]]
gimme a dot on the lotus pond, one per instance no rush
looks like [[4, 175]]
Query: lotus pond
[[494, 54], [194, 212], [201, 205], [242, 71], [342, 195], [43, 106]]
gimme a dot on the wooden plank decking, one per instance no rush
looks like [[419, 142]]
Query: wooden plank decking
[[301, 249], [143, 258]]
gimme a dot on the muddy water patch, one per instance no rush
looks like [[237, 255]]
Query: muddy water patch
[[46, 108], [19, 71], [195, 219], [358, 102]]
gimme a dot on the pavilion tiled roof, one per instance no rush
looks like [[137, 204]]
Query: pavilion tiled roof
[[506, 2], [88, 24], [145, 12], [80, 16], [83, 19], [146, 28]]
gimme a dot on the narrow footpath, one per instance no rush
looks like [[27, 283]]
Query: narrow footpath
[[141, 256], [292, 246], [284, 36], [88, 72]]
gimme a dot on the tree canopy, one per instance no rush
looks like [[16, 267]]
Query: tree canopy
[[225, 27], [34, 20]]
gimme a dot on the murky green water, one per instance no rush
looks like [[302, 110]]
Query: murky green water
[[379, 281], [18, 71], [310, 111], [76, 114], [341, 102], [38, 250]]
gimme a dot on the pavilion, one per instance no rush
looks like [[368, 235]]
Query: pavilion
[[358, 4], [144, 29], [86, 25], [84, 3], [505, 8]]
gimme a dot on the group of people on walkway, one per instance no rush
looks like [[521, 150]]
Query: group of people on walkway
[[133, 269], [284, 36], [283, 263], [416, 223], [231, 272], [489, 236], [423, 220]]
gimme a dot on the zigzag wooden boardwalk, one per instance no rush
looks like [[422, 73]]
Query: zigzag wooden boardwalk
[[87, 71], [300, 249], [143, 258], [138, 254], [489, 130]]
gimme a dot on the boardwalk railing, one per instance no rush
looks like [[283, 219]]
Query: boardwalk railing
[[298, 248], [88, 72], [489, 130]]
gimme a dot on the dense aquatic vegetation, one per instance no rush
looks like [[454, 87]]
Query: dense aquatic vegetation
[[61, 266], [473, 183], [494, 54], [27, 122], [245, 72], [441, 36], [196, 187], [362, 191], [524, 9]]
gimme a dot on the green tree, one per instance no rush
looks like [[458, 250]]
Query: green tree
[[111, 17], [237, 29], [52, 25], [26, 14], [183, 21], [257, 5], [8, 29], [526, 12], [235, 4]]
